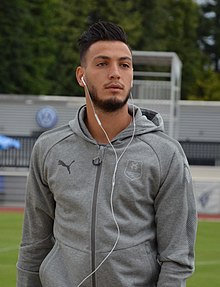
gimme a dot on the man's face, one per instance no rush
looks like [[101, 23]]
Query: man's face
[[108, 73]]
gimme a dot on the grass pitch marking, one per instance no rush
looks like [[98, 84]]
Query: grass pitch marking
[[8, 249]]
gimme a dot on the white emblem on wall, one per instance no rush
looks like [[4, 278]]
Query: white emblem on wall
[[208, 197], [46, 117]]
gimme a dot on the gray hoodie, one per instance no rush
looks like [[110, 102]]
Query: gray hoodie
[[139, 229]]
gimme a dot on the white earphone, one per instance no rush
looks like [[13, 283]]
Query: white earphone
[[82, 79], [117, 159]]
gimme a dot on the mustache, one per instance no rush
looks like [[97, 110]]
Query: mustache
[[114, 84]]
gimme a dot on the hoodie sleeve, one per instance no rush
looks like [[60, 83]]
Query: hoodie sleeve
[[37, 238], [176, 221]]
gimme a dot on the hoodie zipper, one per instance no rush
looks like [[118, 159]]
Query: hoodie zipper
[[97, 162]]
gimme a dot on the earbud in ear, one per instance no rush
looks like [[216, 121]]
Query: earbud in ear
[[131, 83], [82, 79]]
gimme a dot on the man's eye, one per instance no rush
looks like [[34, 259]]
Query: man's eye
[[124, 65], [101, 64]]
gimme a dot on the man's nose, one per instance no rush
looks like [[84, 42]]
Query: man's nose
[[114, 72]]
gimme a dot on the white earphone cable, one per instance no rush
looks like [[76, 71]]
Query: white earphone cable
[[117, 159]]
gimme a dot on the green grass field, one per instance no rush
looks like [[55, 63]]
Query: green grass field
[[207, 252], [207, 256], [10, 236]]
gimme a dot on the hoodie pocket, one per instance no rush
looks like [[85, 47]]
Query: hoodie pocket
[[135, 266], [150, 264], [65, 266], [48, 259]]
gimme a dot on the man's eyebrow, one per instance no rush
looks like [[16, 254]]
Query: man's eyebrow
[[125, 58]]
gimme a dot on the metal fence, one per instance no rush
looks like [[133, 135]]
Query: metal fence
[[18, 157], [198, 153], [202, 153]]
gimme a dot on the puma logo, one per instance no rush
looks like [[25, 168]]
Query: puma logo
[[60, 162]]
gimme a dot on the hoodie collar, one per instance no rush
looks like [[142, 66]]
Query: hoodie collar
[[145, 121]]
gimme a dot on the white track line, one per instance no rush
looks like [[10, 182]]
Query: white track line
[[7, 249], [204, 263]]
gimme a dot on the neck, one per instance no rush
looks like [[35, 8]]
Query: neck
[[113, 123]]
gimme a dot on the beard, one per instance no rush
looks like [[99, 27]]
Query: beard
[[109, 105]]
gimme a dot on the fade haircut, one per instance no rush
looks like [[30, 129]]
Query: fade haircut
[[100, 31]]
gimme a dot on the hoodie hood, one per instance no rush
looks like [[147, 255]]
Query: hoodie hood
[[145, 121]]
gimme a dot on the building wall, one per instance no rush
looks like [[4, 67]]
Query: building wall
[[18, 113], [197, 121]]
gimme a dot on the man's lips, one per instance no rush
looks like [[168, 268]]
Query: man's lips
[[114, 86]]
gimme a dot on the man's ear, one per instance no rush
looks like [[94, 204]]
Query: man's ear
[[79, 75]]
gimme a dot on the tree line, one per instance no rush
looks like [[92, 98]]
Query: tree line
[[39, 52]]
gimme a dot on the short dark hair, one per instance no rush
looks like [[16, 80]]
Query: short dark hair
[[100, 31]]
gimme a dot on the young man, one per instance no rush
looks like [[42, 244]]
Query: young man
[[109, 197]]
